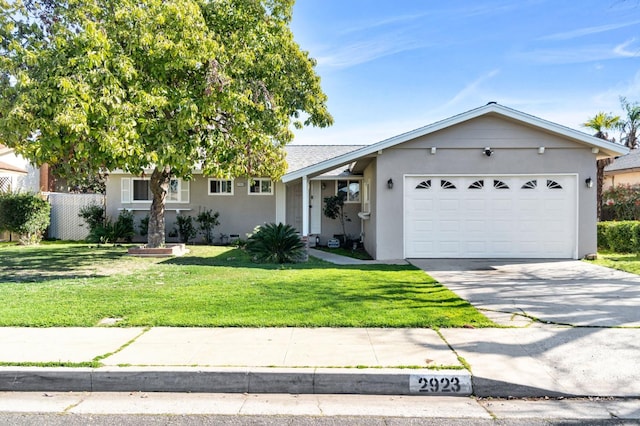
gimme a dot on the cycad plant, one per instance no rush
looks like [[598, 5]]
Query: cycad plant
[[276, 244]]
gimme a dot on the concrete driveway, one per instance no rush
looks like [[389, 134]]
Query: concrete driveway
[[568, 292]]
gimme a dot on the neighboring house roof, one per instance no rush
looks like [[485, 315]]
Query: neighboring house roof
[[492, 108], [625, 162], [301, 156], [9, 168]]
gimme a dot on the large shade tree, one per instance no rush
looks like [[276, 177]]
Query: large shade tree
[[602, 122], [161, 85]]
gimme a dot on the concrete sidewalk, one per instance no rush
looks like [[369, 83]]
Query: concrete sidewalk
[[526, 362]]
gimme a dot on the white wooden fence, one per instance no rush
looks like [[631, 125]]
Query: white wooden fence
[[65, 222]]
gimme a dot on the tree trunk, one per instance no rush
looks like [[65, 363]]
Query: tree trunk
[[159, 186], [600, 165]]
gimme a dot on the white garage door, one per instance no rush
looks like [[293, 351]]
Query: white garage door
[[490, 216]]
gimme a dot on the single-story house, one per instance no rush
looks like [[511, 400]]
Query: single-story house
[[491, 182], [624, 170]]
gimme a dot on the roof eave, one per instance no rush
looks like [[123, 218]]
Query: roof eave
[[605, 147]]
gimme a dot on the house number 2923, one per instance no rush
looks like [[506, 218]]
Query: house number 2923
[[440, 383]]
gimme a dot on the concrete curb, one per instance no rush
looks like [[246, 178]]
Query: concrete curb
[[238, 380]]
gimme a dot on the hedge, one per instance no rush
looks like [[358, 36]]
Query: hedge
[[620, 237], [24, 214]]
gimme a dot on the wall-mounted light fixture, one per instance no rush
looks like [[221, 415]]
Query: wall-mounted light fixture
[[433, 150], [487, 151], [589, 182], [390, 184], [595, 150], [541, 150], [323, 185]]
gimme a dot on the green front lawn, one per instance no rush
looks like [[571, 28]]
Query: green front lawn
[[622, 261], [78, 285]]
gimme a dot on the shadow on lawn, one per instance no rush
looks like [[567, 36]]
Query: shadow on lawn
[[239, 258], [53, 262]]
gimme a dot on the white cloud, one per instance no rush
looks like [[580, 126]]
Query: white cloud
[[622, 49], [471, 88], [592, 53], [359, 52], [587, 31], [382, 22]]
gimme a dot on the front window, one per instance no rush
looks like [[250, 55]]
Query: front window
[[220, 187], [178, 191], [350, 190], [142, 190], [261, 186]]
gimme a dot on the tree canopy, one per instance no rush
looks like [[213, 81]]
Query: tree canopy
[[630, 125], [601, 123], [89, 85]]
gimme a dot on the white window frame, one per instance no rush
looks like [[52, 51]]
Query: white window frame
[[349, 182], [181, 189], [228, 182], [259, 182]]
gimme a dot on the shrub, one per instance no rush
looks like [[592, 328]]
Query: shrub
[[603, 235], [622, 202], [112, 232], [208, 220], [144, 226], [25, 214], [276, 244], [93, 215], [620, 237], [186, 230]]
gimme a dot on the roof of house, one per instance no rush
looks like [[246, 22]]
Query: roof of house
[[4, 149], [625, 162], [301, 156], [6, 167], [606, 147]]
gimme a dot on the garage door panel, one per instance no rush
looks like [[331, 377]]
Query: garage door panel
[[449, 248], [423, 226], [475, 220], [475, 248], [423, 205], [449, 226], [448, 205], [475, 228], [474, 205]]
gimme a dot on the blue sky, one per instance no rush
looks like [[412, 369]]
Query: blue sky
[[389, 66]]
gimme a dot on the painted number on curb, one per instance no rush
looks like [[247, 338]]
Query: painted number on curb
[[440, 384]]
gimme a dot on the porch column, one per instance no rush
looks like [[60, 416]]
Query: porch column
[[305, 206], [281, 202]]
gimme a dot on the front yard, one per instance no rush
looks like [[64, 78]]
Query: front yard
[[628, 262], [59, 284]]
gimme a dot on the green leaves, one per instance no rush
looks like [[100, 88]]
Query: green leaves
[[115, 82], [273, 243]]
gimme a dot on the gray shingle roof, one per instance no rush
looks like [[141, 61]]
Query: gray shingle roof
[[624, 162], [301, 156]]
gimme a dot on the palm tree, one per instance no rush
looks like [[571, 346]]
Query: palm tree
[[602, 122], [631, 124]]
